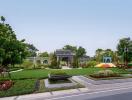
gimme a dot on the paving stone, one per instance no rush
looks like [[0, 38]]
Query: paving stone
[[62, 92], [34, 96]]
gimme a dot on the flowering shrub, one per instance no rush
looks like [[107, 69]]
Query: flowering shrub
[[5, 85]]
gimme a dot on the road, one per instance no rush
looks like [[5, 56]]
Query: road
[[123, 96], [116, 94]]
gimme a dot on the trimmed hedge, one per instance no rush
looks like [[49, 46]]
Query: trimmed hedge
[[59, 72], [104, 74]]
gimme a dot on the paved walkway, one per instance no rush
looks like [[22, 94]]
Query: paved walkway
[[16, 71], [99, 82], [46, 94], [93, 86]]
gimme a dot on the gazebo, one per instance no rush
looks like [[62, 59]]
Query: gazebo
[[65, 55]]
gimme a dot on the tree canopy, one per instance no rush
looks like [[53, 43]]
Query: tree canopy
[[31, 50], [124, 48], [44, 54], [69, 47], [12, 50], [79, 52]]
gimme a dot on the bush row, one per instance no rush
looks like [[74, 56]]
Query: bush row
[[104, 74]]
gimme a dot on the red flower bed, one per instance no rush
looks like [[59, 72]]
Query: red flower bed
[[5, 85]]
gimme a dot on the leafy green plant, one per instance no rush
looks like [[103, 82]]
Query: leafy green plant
[[43, 66], [104, 74], [58, 73], [91, 64], [130, 65], [27, 64]]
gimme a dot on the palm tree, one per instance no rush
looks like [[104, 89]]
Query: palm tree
[[3, 19]]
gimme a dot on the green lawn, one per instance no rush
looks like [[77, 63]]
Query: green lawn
[[43, 73], [20, 87]]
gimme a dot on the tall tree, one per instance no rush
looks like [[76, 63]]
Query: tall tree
[[3, 19], [69, 47], [54, 63], [12, 50], [80, 52], [98, 55], [124, 48], [32, 50]]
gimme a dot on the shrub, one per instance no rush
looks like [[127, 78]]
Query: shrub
[[27, 64], [42, 66], [58, 73], [75, 63], [91, 64], [130, 65], [104, 74], [5, 85], [83, 65]]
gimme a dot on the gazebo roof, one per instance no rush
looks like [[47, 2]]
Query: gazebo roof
[[62, 52]]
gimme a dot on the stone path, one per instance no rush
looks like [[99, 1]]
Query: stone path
[[46, 94], [99, 82], [16, 71], [93, 86]]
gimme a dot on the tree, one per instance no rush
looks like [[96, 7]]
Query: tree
[[98, 55], [3, 19], [69, 47], [12, 50], [44, 54], [80, 52], [124, 49], [32, 50], [54, 63]]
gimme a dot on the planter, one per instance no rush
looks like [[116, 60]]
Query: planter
[[58, 77]]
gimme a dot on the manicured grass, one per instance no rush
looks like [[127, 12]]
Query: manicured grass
[[20, 87], [43, 73]]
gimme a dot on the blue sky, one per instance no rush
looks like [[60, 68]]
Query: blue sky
[[51, 24]]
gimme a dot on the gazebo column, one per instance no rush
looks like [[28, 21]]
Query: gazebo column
[[69, 61], [58, 59]]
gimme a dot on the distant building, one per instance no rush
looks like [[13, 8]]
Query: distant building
[[39, 60], [64, 56], [84, 59]]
